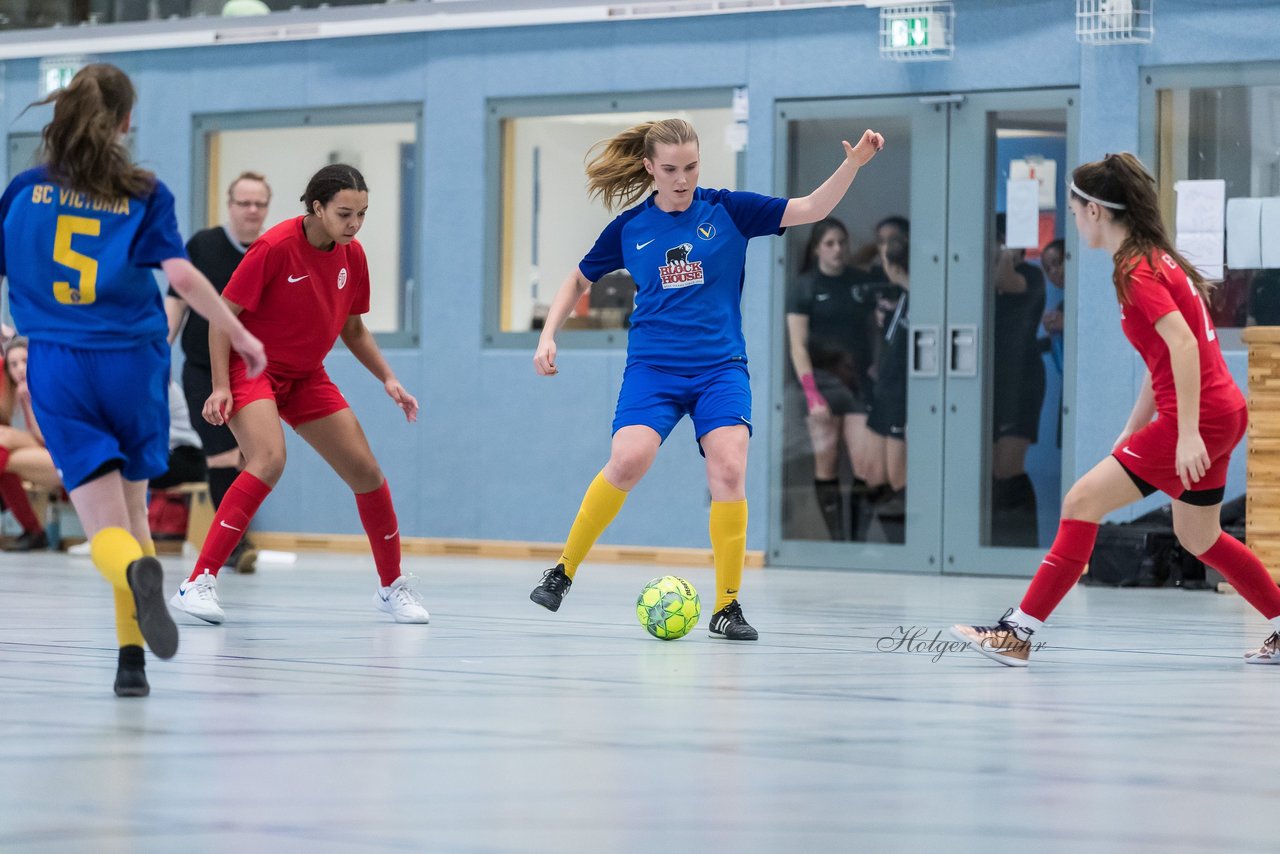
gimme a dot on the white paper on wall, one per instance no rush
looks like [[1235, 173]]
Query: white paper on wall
[[1204, 252], [735, 136], [1022, 213], [1043, 170], [1270, 233], [1201, 205], [1201, 220], [1244, 234]]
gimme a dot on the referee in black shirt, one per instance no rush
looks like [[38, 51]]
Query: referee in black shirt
[[216, 252]]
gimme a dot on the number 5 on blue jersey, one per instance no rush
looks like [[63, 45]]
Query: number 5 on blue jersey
[[86, 290]]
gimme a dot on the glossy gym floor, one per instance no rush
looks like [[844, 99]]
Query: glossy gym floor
[[309, 723]]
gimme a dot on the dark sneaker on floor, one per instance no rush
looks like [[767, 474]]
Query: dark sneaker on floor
[[29, 542], [243, 558], [1268, 653], [146, 580], [551, 591], [1004, 642], [729, 623], [131, 673]]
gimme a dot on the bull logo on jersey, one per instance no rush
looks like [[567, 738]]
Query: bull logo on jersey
[[679, 271], [679, 254]]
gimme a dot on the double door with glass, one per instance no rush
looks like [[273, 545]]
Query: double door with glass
[[918, 398]]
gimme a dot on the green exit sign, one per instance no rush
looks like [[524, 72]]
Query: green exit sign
[[56, 72], [912, 32], [909, 32]]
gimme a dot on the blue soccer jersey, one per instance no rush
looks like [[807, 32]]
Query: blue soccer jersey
[[688, 268], [79, 269]]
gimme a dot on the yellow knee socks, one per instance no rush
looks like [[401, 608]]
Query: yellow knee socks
[[599, 507], [728, 527], [112, 550]]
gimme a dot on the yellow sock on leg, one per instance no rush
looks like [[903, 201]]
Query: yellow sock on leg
[[728, 528], [127, 631], [599, 507], [112, 550], [141, 613]]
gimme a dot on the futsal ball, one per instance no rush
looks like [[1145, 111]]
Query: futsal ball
[[668, 607]]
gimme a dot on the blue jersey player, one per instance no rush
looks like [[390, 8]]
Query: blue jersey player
[[685, 246], [79, 237]]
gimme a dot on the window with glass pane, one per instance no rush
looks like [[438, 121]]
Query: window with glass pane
[[288, 148], [548, 221], [1232, 134]]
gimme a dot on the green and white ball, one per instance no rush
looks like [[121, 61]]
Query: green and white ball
[[668, 607]]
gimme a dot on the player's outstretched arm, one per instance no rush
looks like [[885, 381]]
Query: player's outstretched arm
[[199, 293], [364, 346], [544, 358], [821, 202]]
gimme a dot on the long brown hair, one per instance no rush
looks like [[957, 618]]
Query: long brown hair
[[82, 144], [809, 261], [1121, 179], [617, 173]]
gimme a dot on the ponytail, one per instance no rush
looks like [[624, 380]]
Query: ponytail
[[617, 174], [1122, 185], [82, 146]]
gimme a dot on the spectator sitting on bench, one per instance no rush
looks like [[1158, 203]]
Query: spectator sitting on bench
[[22, 452]]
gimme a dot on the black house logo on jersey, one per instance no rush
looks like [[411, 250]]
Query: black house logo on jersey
[[679, 271]]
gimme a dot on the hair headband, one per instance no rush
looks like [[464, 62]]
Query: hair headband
[[1115, 206]]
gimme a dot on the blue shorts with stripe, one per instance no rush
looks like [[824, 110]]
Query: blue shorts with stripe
[[658, 399], [97, 407]]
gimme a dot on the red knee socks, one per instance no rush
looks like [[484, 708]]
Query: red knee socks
[[1246, 574], [1061, 568], [15, 497], [230, 522], [379, 519]]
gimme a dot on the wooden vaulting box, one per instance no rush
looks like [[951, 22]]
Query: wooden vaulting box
[[1262, 522]]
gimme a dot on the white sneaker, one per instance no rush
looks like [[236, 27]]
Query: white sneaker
[[402, 602], [84, 549], [1269, 653], [199, 598]]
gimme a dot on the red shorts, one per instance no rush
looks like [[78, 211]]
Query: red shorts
[[299, 399], [1151, 454]]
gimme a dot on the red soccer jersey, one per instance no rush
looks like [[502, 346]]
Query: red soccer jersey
[[1155, 291], [296, 297]]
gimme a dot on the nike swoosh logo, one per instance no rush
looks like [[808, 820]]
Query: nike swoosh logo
[[299, 278], [646, 243], [232, 527], [746, 421], [1125, 450], [392, 534]]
